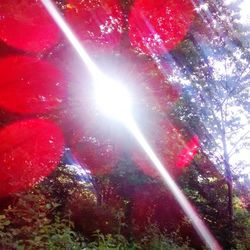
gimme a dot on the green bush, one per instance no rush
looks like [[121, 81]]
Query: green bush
[[33, 223]]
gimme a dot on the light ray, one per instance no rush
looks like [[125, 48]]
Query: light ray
[[94, 70], [129, 122], [189, 210]]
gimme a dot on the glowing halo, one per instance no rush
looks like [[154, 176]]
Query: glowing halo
[[113, 99]]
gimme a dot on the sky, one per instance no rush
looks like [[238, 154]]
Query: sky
[[244, 10], [244, 153]]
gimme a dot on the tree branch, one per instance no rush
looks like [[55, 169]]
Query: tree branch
[[235, 146]]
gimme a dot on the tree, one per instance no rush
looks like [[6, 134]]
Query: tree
[[216, 97]]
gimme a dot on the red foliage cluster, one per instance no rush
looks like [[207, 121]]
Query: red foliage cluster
[[35, 90], [155, 27], [152, 204]]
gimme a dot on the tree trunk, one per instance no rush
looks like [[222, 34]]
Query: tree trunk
[[227, 169], [229, 182]]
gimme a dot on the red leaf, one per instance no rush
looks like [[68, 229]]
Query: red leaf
[[29, 151], [26, 25], [29, 85], [96, 22], [158, 26]]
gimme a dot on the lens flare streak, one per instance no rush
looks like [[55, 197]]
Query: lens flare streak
[[69, 34], [198, 224], [129, 122]]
